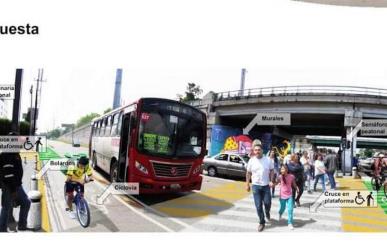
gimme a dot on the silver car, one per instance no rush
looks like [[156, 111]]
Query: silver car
[[226, 164]]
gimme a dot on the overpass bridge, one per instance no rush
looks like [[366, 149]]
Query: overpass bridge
[[311, 109]]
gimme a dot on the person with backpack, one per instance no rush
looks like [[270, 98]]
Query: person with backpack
[[297, 170], [13, 194]]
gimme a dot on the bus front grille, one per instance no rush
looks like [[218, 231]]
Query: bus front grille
[[171, 170]]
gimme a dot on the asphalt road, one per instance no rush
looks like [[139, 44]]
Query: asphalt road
[[118, 213]]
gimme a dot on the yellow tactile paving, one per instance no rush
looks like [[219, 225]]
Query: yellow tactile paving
[[361, 219], [204, 203]]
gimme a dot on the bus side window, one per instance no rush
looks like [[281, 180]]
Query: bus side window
[[101, 128], [98, 128], [119, 124], [114, 125], [94, 128], [108, 126]]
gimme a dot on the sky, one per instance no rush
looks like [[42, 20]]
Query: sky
[[163, 45]]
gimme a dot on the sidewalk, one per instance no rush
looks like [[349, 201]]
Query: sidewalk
[[29, 165]]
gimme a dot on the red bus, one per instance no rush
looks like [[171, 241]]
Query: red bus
[[158, 143]]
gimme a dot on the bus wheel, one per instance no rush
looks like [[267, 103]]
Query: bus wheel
[[94, 161], [114, 172], [211, 171]]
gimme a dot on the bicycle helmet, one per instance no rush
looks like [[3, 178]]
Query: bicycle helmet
[[83, 160]]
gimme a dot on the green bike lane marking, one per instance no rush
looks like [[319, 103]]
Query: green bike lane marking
[[382, 200]]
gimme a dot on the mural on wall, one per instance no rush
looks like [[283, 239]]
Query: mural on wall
[[238, 144], [283, 148], [219, 135], [231, 140]]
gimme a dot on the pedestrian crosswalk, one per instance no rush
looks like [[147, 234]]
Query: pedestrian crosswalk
[[229, 208], [242, 217]]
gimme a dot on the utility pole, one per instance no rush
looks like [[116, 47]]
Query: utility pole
[[31, 114], [38, 80], [16, 101]]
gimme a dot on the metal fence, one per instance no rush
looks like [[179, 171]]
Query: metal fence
[[304, 90]]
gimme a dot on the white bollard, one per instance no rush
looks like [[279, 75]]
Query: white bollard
[[34, 182], [354, 172], [34, 220]]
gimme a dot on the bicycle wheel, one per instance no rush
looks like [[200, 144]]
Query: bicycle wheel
[[83, 212], [375, 182]]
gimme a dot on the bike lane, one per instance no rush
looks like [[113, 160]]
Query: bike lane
[[117, 214]]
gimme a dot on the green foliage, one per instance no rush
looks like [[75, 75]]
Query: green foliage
[[107, 110], [368, 153], [193, 92], [5, 127], [53, 134], [86, 119]]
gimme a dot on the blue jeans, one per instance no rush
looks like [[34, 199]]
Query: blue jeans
[[331, 177], [289, 202], [308, 179], [7, 206], [262, 196], [317, 177]]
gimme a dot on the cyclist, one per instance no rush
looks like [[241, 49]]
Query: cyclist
[[380, 168], [76, 176]]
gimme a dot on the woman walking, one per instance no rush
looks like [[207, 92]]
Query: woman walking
[[274, 155], [320, 171], [287, 184], [297, 170]]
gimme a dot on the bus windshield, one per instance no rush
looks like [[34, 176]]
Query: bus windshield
[[170, 129]]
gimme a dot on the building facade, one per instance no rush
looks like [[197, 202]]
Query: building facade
[[3, 109]]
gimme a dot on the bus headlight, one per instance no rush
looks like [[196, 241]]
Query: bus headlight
[[197, 170], [141, 168]]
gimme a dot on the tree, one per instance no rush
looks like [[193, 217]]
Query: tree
[[368, 153], [193, 92], [107, 110], [53, 134], [86, 119]]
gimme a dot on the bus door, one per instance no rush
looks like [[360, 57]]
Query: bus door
[[124, 145]]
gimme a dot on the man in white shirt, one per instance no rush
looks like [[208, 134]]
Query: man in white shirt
[[260, 171]]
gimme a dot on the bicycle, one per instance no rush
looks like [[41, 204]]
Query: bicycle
[[81, 205], [376, 182], [379, 182]]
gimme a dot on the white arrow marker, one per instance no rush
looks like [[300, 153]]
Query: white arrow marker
[[118, 188], [54, 165], [319, 201]]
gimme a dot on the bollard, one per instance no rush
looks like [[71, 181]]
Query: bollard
[[354, 172], [34, 220], [36, 162], [34, 182]]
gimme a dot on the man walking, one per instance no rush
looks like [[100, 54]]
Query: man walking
[[260, 171], [331, 163], [11, 174]]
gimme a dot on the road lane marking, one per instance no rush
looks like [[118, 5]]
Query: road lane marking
[[151, 209], [137, 212]]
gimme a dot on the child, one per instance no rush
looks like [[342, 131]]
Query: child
[[287, 182]]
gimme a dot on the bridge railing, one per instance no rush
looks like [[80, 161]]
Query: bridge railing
[[303, 91]]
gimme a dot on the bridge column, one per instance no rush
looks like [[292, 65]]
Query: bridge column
[[351, 122], [212, 119]]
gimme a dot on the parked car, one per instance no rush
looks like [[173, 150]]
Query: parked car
[[226, 164], [366, 164]]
